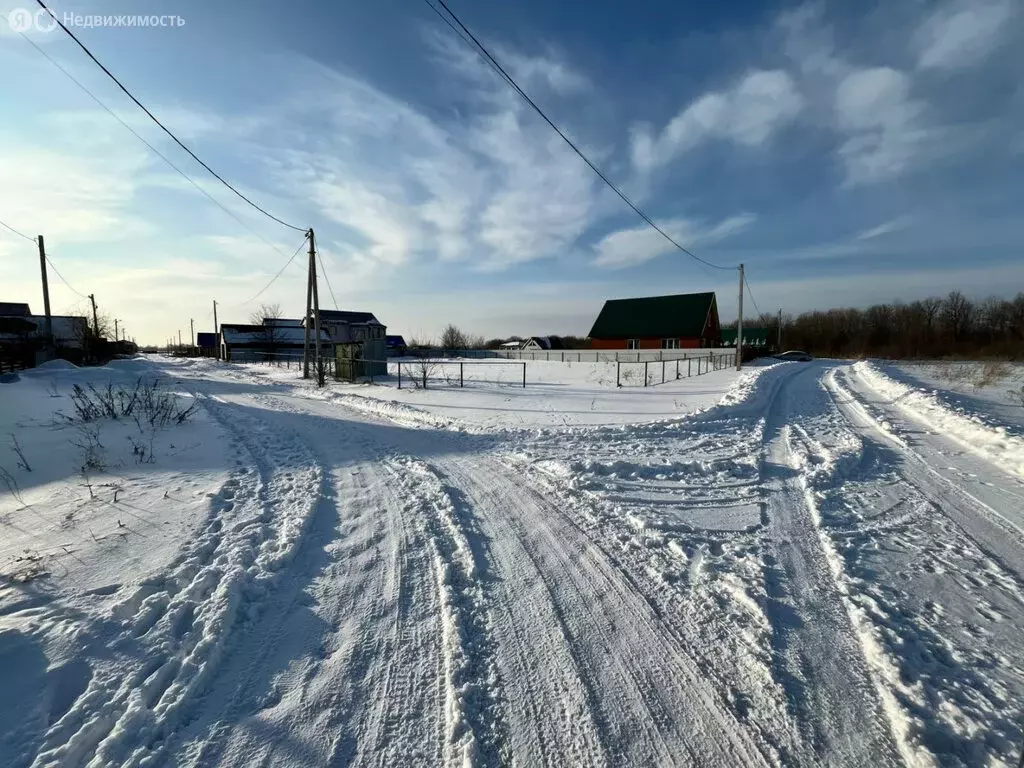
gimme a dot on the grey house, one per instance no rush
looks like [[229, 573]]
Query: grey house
[[357, 336]]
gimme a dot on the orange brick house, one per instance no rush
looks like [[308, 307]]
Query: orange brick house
[[682, 321]]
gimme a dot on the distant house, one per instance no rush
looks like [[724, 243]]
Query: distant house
[[360, 335], [396, 346], [540, 343], [19, 326], [14, 309], [681, 321], [508, 345], [275, 339]]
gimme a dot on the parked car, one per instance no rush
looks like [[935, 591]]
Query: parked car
[[794, 354]]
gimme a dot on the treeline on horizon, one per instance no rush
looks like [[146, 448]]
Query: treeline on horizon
[[953, 326]]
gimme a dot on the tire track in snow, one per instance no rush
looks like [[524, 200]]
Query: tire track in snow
[[994, 532], [819, 657], [181, 625], [357, 648], [648, 701]]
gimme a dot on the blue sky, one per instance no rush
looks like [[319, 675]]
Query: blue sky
[[846, 155]]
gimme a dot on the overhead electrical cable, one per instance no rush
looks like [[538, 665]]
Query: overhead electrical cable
[[279, 272], [164, 128], [493, 63]]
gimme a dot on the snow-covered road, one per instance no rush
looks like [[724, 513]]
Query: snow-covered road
[[805, 574]]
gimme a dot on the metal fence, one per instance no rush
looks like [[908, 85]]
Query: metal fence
[[661, 371], [419, 372], [606, 355]]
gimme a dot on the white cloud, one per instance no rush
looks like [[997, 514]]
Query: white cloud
[[884, 123], [70, 197], [961, 33], [495, 189], [885, 228], [629, 247], [748, 114]]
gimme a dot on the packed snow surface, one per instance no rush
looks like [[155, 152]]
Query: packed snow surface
[[799, 564]]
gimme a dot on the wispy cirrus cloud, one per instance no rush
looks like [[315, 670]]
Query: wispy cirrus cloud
[[885, 125], [637, 245], [885, 228], [761, 103], [961, 33]]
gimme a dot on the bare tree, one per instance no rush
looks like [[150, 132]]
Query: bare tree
[[271, 331], [453, 338], [265, 311], [956, 314]]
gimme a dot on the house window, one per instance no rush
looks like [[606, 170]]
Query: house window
[[632, 343], [670, 343]]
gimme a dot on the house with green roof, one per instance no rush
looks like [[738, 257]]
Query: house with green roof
[[681, 321]]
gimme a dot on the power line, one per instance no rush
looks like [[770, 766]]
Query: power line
[[152, 149], [493, 63], [326, 278], [279, 272], [751, 294], [63, 280], [152, 117], [19, 234], [9, 228]]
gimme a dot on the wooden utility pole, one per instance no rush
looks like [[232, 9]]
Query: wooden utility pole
[[95, 321], [739, 327], [46, 292], [179, 338], [115, 330], [779, 342], [309, 307], [216, 328]]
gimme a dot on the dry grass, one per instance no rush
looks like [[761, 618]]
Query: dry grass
[[991, 373]]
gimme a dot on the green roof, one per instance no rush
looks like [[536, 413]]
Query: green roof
[[752, 337], [681, 316]]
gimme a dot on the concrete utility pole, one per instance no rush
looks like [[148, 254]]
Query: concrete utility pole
[[739, 327], [316, 295], [46, 292], [192, 325], [216, 328], [115, 330], [309, 307], [179, 338], [95, 322]]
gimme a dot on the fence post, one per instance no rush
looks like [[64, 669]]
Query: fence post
[[618, 371], [662, 371], [460, 376], [645, 368], [399, 374], [524, 375]]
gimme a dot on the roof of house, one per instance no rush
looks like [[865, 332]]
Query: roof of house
[[14, 309], [511, 344], [755, 337], [344, 316], [245, 333], [394, 341], [683, 315]]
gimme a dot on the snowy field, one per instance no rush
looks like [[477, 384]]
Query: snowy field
[[795, 565]]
